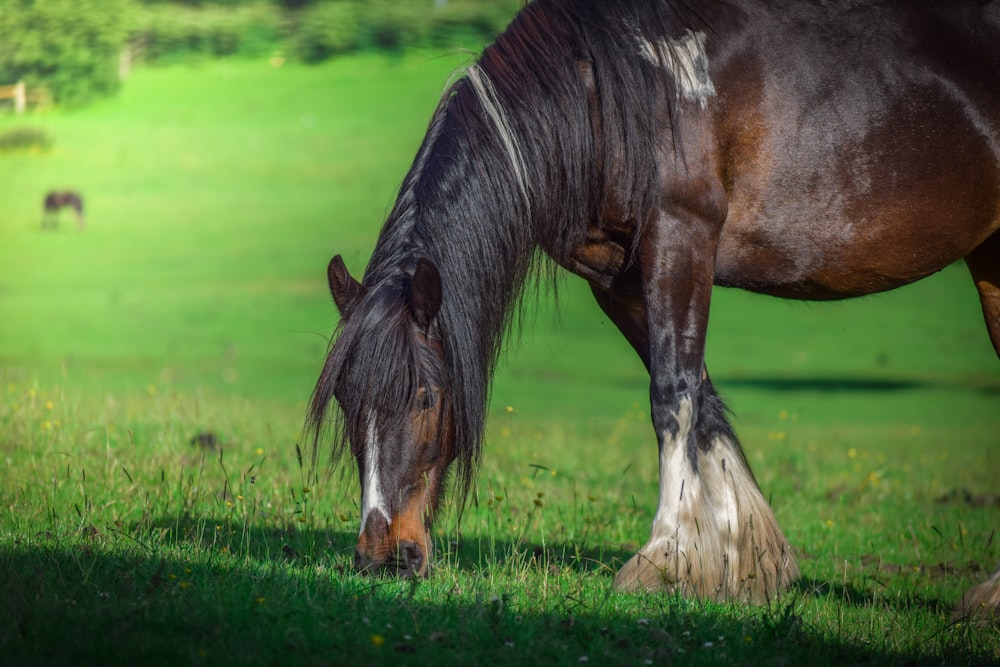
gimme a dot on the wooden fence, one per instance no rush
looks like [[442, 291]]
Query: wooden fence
[[19, 93], [22, 97]]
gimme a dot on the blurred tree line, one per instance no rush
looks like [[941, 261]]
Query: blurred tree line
[[70, 47], [82, 49]]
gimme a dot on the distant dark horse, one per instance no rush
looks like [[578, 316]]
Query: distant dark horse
[[55, 200], [795, 148]]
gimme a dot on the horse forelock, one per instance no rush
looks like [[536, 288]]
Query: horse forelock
[[372, 367]]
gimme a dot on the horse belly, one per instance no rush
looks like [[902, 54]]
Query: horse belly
[[808, 253]]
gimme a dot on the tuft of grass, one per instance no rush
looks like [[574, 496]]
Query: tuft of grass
[[25, 138]]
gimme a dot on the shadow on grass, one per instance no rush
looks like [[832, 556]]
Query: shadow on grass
[[471, 555], [852, 595], [484, 557], [856, 384], [100, 600]]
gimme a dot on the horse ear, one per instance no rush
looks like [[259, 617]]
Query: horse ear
[[344, 288], [425, 293]]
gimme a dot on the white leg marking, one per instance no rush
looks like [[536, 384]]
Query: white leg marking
[[371, 488], [693, 506], [686, 60], [713, 535], [675, 471]]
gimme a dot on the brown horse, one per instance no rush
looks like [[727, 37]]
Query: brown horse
[[56, 200], [655, 148]]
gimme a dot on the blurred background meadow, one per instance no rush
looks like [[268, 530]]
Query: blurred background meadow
[[155, 365]]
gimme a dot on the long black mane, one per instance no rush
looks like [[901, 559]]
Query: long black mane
[[524, 152]]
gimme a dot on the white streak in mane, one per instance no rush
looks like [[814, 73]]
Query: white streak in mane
[[687, 62], [487, 96]]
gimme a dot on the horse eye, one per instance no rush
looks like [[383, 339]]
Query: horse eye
[[426, 398]]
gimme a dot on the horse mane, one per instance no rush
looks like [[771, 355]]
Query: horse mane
[[519, 155]]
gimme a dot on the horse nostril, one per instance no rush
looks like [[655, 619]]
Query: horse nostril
[[409, 560]]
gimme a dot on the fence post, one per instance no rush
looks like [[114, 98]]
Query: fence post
[[125, 62], [20, 98]]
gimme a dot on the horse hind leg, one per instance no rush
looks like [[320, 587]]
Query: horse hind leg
[[984, 266], [714, 535], [982, 602]]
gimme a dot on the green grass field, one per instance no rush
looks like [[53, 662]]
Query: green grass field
[[195, 301]]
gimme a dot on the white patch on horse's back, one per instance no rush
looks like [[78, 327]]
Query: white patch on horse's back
[[687, 62], [371, 488]]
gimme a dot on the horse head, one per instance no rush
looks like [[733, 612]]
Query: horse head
[[385, 371]]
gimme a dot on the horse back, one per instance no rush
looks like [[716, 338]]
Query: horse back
[[57, 200]]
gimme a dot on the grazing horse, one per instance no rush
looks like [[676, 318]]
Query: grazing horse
[[657, 147], [56, 200]]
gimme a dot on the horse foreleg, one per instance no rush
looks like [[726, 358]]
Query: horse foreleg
[[984, 265], [714, 534]]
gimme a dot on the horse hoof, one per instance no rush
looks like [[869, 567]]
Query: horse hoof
[[653, 570], [714, 535], [640, 573], [982, 603]]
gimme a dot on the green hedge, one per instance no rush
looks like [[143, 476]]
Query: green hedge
[[164, 32], [75, 48], [327, 29], [324, 29], [312, 30], [71, 47]]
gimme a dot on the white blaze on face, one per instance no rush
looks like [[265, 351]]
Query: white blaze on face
[[371, 488], [687, 62]]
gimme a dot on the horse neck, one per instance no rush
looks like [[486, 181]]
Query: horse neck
[[462, 210]]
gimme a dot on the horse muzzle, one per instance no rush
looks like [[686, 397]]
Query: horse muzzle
[[396, 549], [406, 561]]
